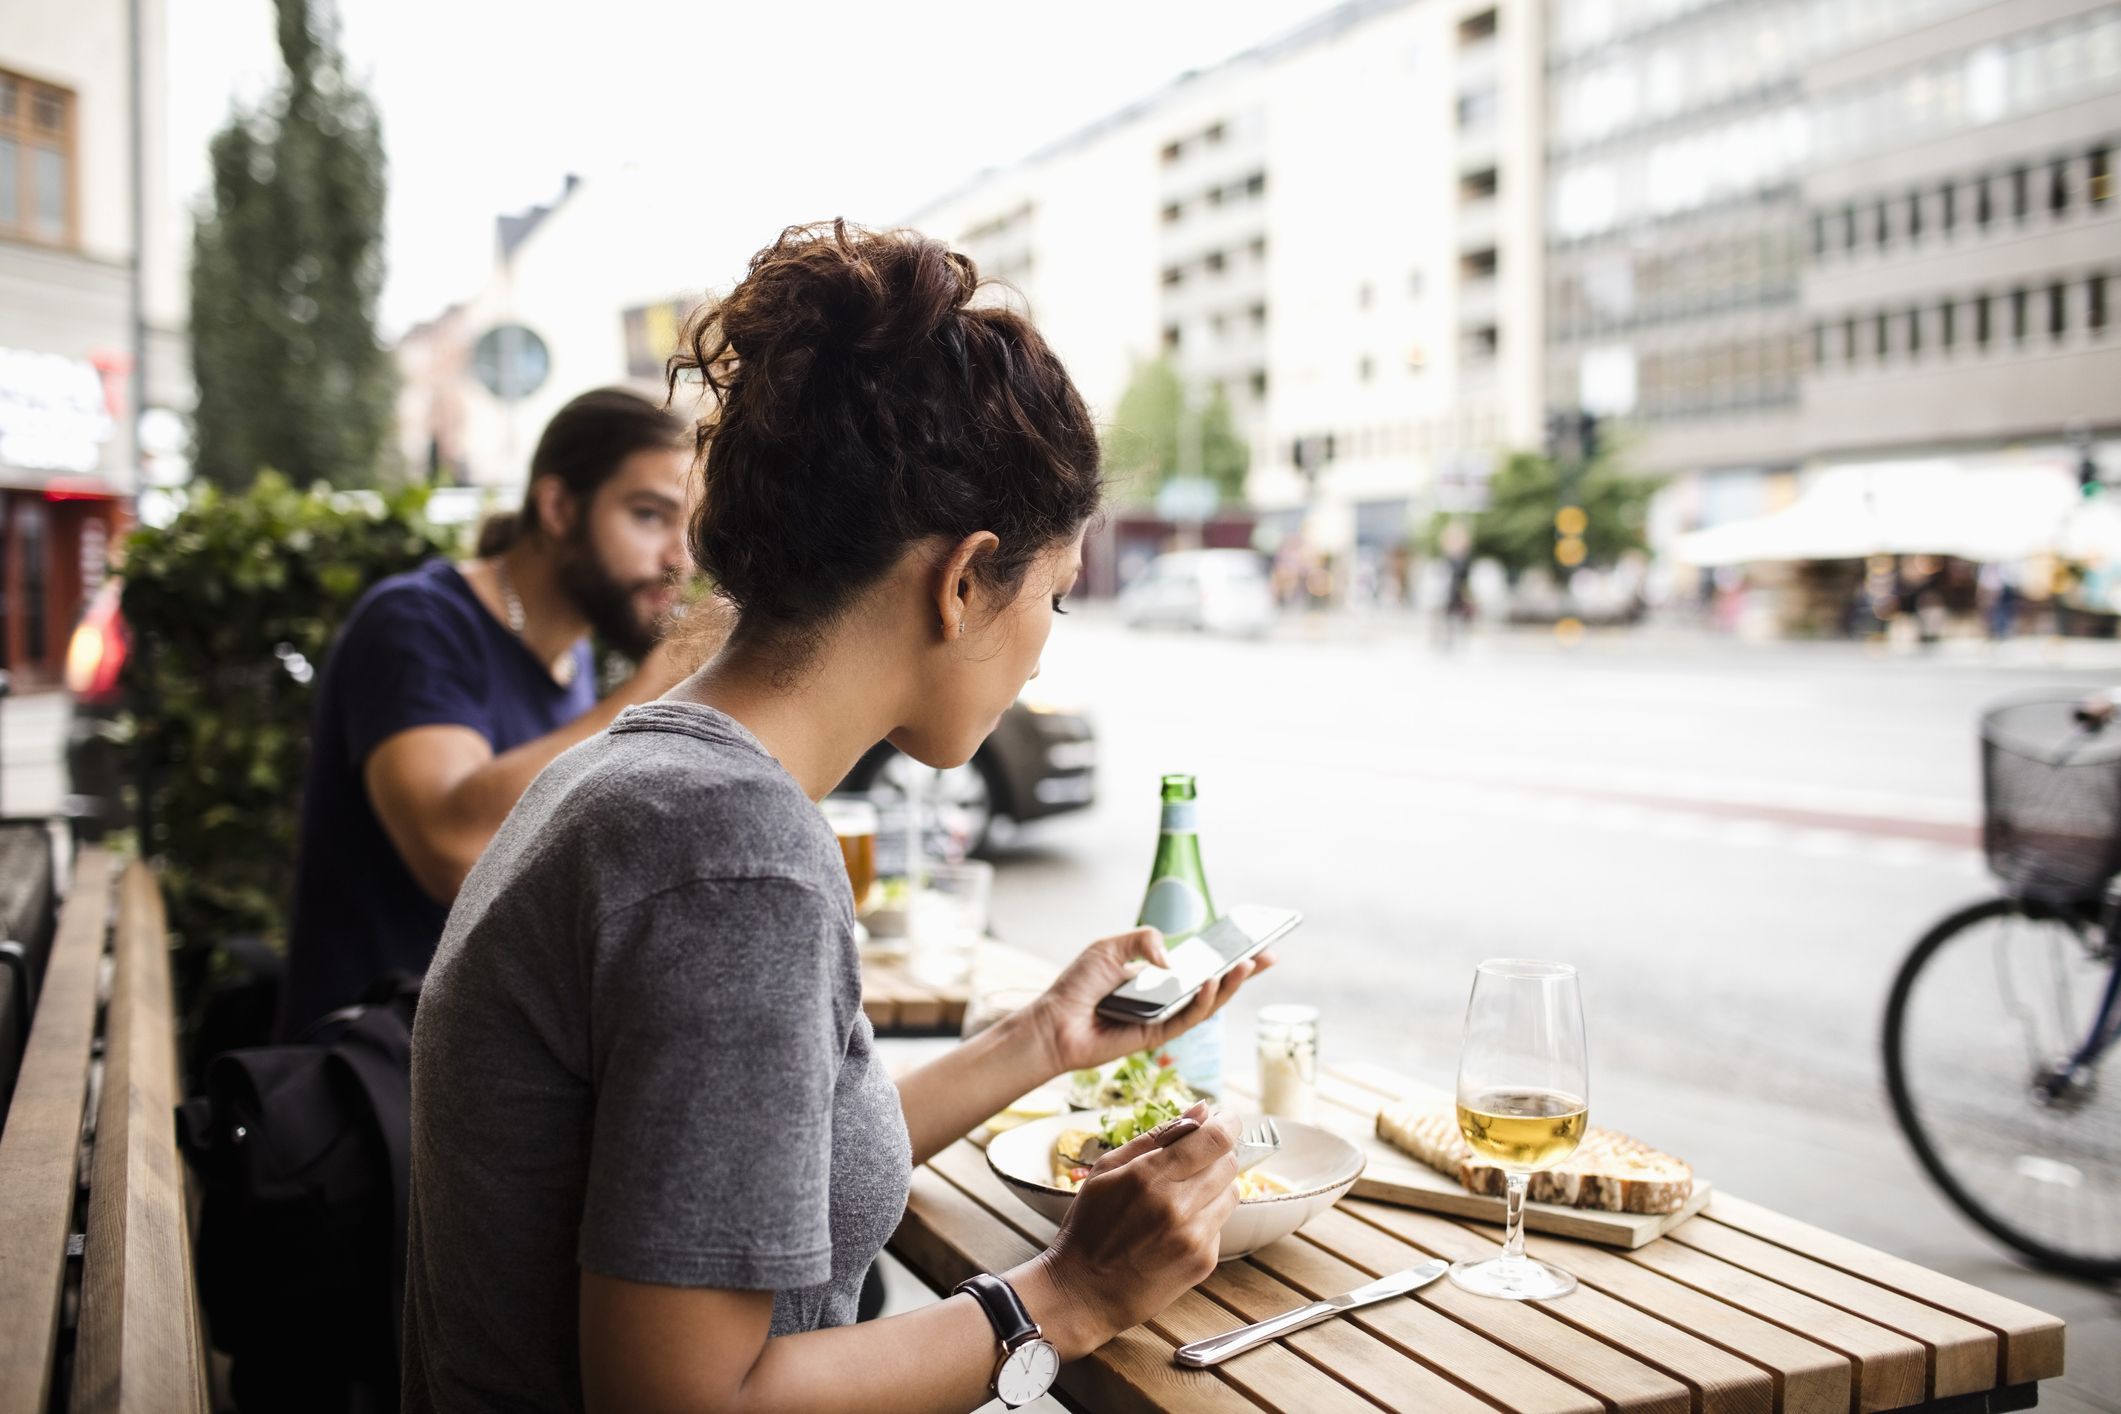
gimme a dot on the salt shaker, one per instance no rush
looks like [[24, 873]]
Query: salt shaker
[[1288, 1061]]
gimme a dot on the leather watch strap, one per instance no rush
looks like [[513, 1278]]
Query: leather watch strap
[[1005, 1311]]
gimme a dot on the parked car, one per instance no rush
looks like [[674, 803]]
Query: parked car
[[1041, 760], [1215, 591], [95, 765]]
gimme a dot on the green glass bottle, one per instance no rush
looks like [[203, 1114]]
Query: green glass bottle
[[1178, 905]]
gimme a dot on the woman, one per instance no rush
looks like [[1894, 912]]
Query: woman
[[653, 1149]]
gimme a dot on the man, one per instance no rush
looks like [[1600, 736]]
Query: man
[[449, 688]]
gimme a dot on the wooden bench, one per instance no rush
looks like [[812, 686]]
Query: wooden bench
[[97, 1303]]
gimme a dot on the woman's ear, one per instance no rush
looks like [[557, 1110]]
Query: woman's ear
[[954, 581]]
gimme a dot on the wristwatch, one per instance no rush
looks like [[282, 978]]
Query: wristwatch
[[1029, 1362]]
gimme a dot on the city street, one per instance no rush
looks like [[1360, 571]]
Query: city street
[[1737, 844]]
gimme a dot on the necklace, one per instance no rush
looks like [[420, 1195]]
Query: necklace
[[563, 667]]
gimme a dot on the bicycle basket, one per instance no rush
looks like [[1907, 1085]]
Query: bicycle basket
[[2051, 797]]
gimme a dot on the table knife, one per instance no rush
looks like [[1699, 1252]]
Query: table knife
[[1216, 1349]]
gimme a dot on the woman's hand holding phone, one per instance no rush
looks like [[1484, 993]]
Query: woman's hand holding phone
[[1064, 1020]]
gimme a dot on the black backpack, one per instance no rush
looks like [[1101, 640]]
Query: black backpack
[[303, 1153]]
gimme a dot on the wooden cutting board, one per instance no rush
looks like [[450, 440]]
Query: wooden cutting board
[[1349, 1099]]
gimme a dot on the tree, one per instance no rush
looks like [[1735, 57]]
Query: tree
[[1159, 435], [287, 262], [1517, 528]]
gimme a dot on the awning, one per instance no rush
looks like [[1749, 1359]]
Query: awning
[[1943, 506]]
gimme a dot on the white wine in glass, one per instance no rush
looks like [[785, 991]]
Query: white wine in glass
[[1523, 1103]]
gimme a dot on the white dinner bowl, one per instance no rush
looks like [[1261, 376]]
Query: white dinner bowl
[[1317, 1167]]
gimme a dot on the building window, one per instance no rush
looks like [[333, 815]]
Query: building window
[[1214, 196], [1215, 260], [1258, 315], [1216, 134], [2058, 187], [1364, 368], [2021, 309], [1173, 336], [1914, 333], [2095, 304], [1256, 184], [1819, 234], [36, 161], [1174, 213], [1914, 216], [1173, 151], [1984, 321], [1984, 202], [1174, 275], [2021, 193], [1258, 382], [1948, 208], [1257, 248], [2099, 188], [1479, 264], [1848, 339], [2057, 311], [1818, 345], [1947, 319], [1477, 108], [1478, 185], [1884, 225], [1884, 335], [1848, 228], [1474, 28]]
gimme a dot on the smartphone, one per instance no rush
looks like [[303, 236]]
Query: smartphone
[[1158, 992]]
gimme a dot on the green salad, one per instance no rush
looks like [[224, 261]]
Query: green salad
[[1137, 1079]]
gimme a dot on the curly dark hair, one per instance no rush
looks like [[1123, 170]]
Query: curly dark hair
[[859, 403]]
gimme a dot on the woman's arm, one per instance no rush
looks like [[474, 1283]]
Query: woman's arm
[[1061, 1031], [650, 1349], [1144, 1228]]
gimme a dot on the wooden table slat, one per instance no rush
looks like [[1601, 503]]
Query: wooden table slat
[[1343, 1348], [40, 1146], [1808, 1377], [2032, 1340], [1963, 1356], [1891, 1371], [1452, 1350], [1382, 1239]]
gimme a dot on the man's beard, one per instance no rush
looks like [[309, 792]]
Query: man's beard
[[604, 600]]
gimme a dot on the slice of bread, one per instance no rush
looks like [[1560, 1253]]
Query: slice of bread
[[1608, 1171]]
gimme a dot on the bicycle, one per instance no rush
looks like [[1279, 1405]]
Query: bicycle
[[2003, 1016]]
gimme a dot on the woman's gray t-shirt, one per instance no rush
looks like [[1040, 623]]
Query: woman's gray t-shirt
[[641, 1051]]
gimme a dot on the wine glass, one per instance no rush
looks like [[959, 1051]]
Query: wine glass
[[1523, 1103]]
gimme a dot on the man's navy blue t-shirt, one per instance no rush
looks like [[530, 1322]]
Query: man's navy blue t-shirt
[[419, 650]]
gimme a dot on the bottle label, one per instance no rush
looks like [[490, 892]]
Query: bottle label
[[1174, 908], [1180, 817]]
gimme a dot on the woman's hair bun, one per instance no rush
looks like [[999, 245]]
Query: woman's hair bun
[[830, 289], [860, 401]]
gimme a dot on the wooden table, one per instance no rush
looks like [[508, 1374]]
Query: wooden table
[[898, 1005], [1739, 1309]]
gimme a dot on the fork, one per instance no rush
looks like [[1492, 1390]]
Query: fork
[[1257, 1142]]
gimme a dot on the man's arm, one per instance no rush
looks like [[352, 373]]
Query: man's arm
[[442, 793]]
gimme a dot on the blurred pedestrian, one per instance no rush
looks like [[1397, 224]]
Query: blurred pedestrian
[[449, 688]]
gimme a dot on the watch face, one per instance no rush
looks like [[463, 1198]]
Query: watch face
[[1027, 1373]]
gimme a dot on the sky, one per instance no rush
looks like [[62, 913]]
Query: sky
[[796, 111]]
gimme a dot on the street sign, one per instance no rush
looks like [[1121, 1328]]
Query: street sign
[[510, 362], [1187, 499]]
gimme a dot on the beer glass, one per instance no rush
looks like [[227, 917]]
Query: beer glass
[[1523, 1103], [854, 821]]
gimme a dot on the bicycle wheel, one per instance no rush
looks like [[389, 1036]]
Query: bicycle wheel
[[1986, 1005]]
